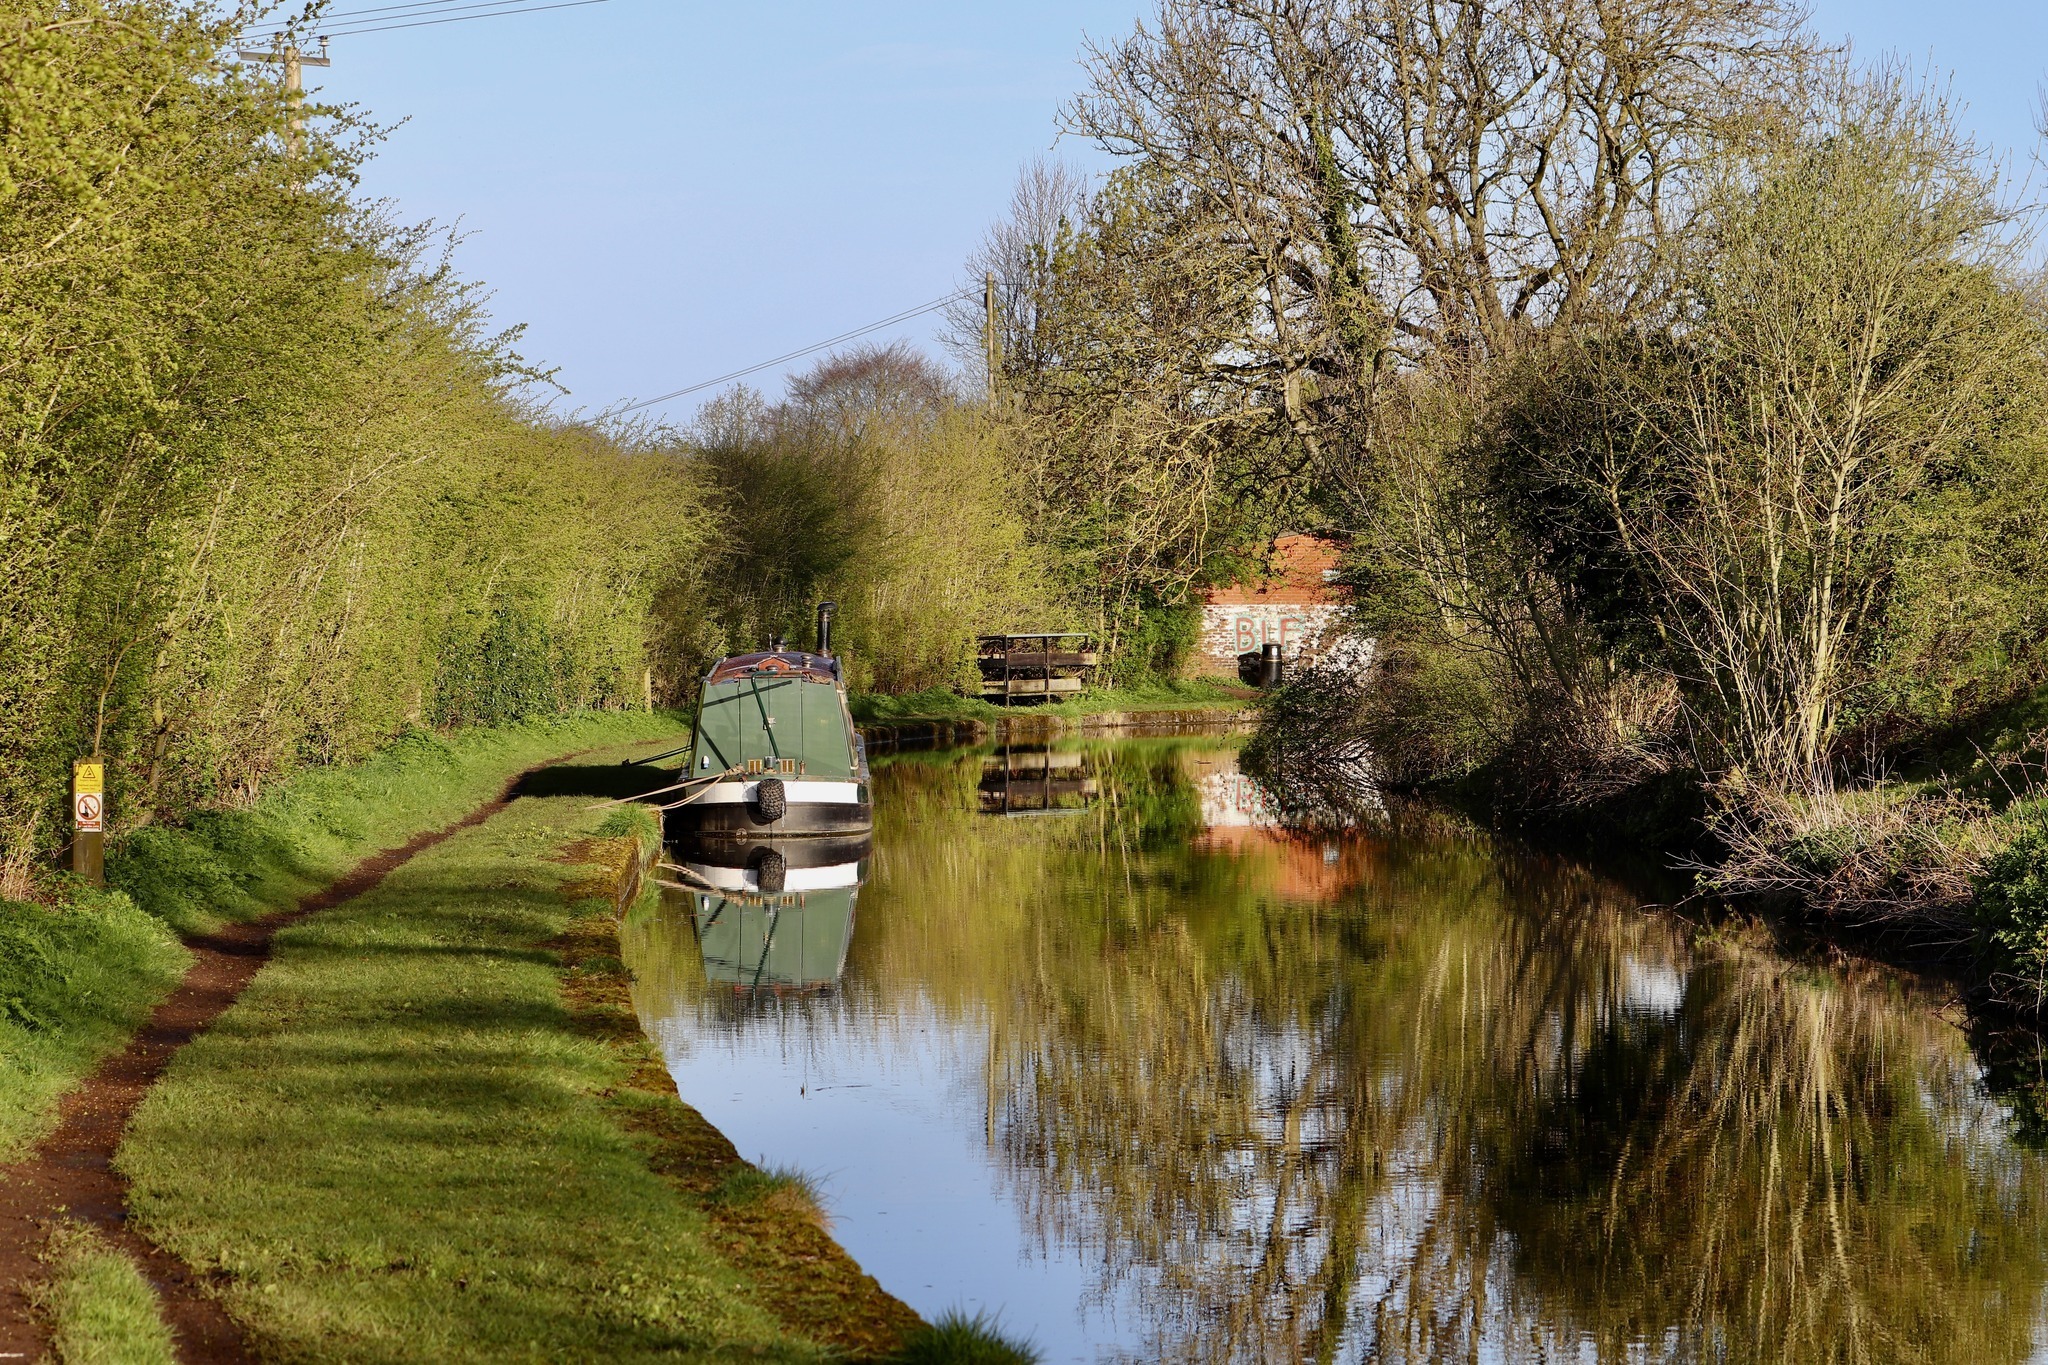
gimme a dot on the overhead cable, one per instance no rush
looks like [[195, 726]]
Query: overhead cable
[[494, 9], [891, 321]]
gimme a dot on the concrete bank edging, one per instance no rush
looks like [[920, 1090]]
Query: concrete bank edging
[[894, 735]]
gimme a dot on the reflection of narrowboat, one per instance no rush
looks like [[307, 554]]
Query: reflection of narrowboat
[[776, 754], [771, 918]]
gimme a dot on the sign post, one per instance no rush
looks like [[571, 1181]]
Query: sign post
[[89, 820]]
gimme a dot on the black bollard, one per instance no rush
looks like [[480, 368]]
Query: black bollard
[[1269, 665]]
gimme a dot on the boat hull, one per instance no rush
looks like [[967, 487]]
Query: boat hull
[[732, 811]]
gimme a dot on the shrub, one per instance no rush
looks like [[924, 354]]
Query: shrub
[[2012, 905]]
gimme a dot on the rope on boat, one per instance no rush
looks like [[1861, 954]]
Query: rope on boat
[[675, 787], [674, 805]]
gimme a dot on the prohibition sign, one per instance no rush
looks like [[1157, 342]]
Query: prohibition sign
[[86, 807]]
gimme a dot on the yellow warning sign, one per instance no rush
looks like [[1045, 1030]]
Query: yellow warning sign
[[89, 775]]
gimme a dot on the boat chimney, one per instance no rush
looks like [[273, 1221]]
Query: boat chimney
[[825, 610]]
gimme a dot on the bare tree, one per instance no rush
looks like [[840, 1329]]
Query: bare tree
[[1853, 344], [1047, 207], [1422, 178]]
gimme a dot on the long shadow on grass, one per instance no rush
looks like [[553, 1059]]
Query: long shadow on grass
[[613, 781]]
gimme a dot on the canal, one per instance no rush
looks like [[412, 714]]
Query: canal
[[1091, 1042]]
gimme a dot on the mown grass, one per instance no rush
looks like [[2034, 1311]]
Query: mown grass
[[940, 703], [76, 980], [225, 865], [78, 977], [101, 1310], [404, 1144]]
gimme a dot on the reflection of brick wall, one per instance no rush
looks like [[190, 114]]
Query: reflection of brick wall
[[1229, 630]]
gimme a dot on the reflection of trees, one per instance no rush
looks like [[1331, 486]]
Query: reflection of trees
[[1472, 1104], [1478, 1104], [1791, 1166]]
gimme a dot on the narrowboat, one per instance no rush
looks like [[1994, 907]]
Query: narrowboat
[[775, 754]]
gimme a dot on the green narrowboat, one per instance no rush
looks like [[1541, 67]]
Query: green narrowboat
[[776, 754]]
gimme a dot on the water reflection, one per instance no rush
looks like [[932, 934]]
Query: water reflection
[[1036, 780], [763, 924], [1165, 1080]]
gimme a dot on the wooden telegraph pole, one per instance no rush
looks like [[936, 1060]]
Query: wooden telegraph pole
[[991, 358], [289, 56], [89, 820]]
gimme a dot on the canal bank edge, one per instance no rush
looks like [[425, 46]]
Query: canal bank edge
[[766, 1224], [564, 1203]]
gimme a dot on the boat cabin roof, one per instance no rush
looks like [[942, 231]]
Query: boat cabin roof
[[784, 663]]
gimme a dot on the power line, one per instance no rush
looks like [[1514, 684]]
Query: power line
[[496, 8], [410, 5], [414, 7], [904, 316]]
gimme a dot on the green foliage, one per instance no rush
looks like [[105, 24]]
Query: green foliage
[[1158, 644], [872, 485], [958, 1338], [1145, 463], [2012, 904], [102, 1310], [1817, 499], [269, 489], [510, 668], [75, 980]]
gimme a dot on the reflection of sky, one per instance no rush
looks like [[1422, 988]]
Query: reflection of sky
[[881, 1094], [887, 1111]]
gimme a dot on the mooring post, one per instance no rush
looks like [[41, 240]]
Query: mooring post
[[89, 820], [1269, 664]]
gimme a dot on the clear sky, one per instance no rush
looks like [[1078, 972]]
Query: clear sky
[[668, 190]]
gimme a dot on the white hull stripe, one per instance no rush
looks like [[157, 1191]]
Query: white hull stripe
[[796, 879], [797, 791]]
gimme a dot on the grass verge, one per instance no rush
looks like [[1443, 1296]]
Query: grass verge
[[426, 1132], [939, 703], [768, 1224], [238, 864], [961, 1339], [101, 1309], [79, 976]]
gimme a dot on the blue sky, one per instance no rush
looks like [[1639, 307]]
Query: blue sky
[[667, 190]]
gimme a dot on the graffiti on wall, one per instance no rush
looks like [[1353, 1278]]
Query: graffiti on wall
[[1228, 631]]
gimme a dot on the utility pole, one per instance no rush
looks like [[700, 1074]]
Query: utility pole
[[294, 86], [990, 355]]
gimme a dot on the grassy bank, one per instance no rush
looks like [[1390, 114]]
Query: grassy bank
[[79, 976], [940, 703], [427, 1131], [1935, 844], [100, 1307], [1947, 841]]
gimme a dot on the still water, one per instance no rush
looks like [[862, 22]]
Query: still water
[[1090, 1040]]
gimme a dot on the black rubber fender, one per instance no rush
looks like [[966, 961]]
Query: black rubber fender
[[771, 799], [772, 871]]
